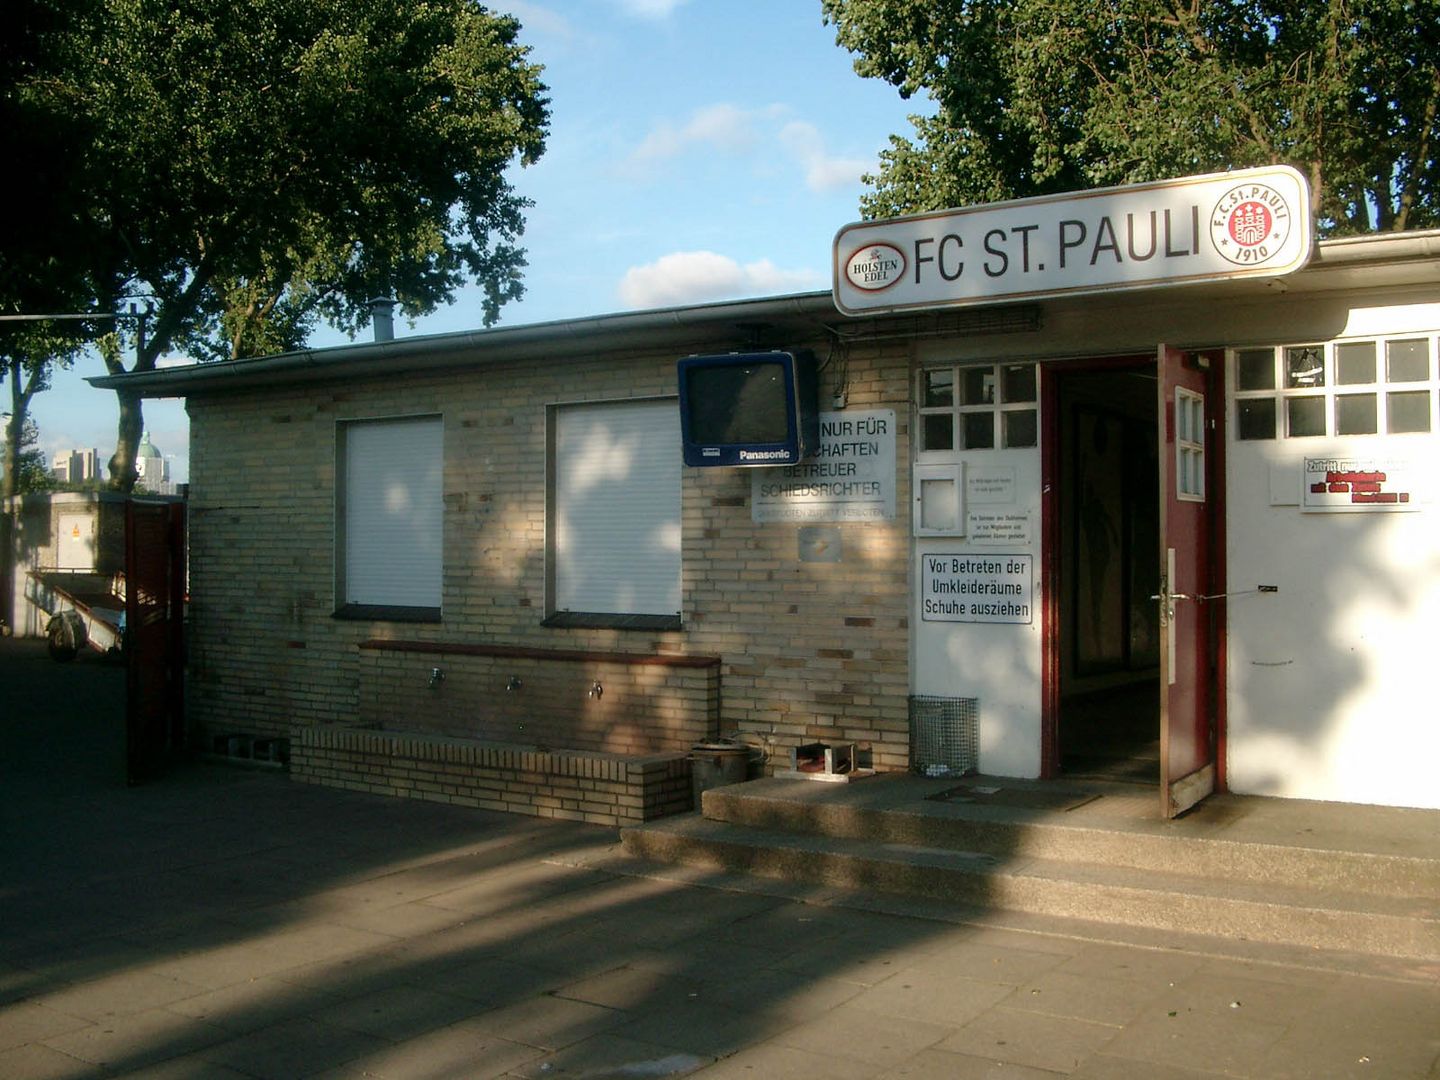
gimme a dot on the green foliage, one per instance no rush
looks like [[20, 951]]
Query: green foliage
[[33, 473], [39, 230], [30, 471], [247, 170], [271, 163], [1041, 96]]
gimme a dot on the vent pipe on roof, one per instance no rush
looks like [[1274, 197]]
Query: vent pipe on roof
[[382, 317]]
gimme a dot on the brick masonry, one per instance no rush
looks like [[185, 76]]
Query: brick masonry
[[646, 705], [604, 789], [806, 650]]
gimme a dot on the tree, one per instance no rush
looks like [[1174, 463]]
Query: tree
[[39, 230], [249, 169], [27, 359], [1041, 96], [29, 470]]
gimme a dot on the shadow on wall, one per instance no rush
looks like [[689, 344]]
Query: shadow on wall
[[35, 542], [1328, 677]]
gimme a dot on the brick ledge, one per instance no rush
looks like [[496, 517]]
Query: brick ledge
[[525, 652], [582, 785]]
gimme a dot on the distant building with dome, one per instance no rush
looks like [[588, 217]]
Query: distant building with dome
[[152, 469]]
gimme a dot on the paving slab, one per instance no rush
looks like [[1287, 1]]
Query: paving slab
[[1037, 1040], [460, 1050], [852, 1033], [341, 935], [938, 1064]]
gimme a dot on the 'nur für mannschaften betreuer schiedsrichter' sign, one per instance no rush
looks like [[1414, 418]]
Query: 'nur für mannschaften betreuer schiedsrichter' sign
[[1249, 223]]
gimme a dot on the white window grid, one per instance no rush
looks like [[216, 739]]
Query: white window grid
[[1380, 385], [983, 406], [1189, 445]]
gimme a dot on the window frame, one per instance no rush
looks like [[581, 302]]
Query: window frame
[[1288, 395], [564, 618], [997, 408], [382, 607], [1190, 425]]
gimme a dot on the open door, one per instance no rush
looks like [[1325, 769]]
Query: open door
[[1188, 632], [154, 637]]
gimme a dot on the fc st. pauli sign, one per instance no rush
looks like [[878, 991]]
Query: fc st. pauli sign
[[1249, 223]]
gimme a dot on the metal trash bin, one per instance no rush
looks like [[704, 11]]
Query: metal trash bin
[[717, 763]]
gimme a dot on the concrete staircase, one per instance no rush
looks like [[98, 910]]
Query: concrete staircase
[[1318, 875]]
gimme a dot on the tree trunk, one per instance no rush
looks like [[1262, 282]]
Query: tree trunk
[[12, 456], [127, 441], [12, 480], [14, 429]]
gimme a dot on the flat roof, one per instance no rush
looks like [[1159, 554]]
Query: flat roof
[[1384, 260]]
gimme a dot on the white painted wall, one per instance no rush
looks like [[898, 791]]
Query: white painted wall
[[998, 664], [1331, 689]]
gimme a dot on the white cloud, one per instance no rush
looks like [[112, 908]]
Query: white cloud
[[822, 172], [687, 277], [720, 127], [536, 18], [649, 9], [727, 129]]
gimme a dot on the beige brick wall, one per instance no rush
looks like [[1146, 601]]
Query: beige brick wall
[[641, 707], [601, 789], [807, 650]]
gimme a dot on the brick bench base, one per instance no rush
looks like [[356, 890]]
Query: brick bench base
[[606, 789]]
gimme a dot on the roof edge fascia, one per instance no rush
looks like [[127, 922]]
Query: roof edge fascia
[[653, 327]]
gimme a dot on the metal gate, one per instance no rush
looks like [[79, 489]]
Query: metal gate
[[154, 637]]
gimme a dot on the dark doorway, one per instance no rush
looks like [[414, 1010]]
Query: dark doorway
[[1105, 561]]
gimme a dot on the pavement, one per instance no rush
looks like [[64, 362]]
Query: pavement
[[224, 922]]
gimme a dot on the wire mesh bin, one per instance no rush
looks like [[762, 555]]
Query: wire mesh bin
[[944, 735]]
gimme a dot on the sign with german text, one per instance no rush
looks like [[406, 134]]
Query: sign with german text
[[1248, 223], [1359, 485], [851, 477], [978, 588]]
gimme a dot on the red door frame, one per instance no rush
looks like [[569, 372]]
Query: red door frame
[[1050, 530]]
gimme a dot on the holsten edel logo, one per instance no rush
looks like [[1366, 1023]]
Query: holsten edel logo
[[1250, 224], [875, 267]]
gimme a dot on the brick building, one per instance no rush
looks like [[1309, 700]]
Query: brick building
[[472, 567]]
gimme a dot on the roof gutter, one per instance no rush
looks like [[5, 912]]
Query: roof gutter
[[707, 323], [732, 324]]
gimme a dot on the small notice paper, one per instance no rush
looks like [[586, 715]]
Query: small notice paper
[[991, 527]]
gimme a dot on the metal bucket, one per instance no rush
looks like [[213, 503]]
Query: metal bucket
[[717, 763]]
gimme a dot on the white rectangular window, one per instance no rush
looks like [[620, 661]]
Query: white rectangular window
[[1361, 387], [978, 407], [615, 514], [1189, 445], [391, 517]]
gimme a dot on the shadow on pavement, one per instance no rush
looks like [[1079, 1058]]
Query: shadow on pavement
[[229, 923]]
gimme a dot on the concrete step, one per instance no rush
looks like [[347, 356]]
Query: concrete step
[[1218, 844], [1191, 902]]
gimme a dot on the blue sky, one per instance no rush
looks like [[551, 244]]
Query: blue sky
[[699, 150]]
